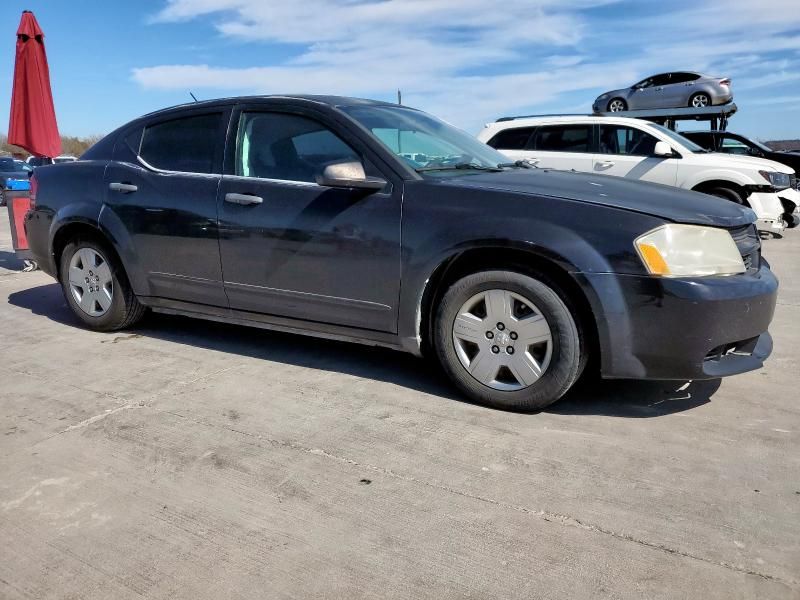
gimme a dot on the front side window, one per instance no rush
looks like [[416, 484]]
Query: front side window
[[618, 139], [287, 147], [515, 138], [188, 144], [563, 138]]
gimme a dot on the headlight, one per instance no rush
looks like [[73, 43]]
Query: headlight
[[780, 181], [689, 251]]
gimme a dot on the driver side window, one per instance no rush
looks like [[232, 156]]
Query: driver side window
[[287, 147]]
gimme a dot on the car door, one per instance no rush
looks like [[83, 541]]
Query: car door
[[562, 146], [625, 151], [161, 188], [649, 94], [293, 248]]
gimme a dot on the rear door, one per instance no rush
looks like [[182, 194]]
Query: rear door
[[562, 146], [293, 248], [625, 151], [161, 188]]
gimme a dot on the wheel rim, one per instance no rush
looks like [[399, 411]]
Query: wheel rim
[[90, 282], [502, 340], [700, 101], [616, 106]]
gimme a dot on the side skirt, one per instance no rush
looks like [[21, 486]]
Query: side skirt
[[274, 323]]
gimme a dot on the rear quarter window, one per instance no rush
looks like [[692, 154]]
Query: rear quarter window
[[187, 144], [515, 138]]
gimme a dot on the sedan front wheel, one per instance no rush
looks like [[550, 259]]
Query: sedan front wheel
[[509, 340]]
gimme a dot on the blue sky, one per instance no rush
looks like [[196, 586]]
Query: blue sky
[[468, 61]]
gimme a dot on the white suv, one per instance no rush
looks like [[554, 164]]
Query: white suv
[[638, 149]]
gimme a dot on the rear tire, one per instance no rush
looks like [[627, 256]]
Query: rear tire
[[472, 337], [727, 194], [700, 100], [96, 287], [617, 105]]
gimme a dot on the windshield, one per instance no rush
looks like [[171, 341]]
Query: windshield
[[763, 147], [425, 142], [677, 137]]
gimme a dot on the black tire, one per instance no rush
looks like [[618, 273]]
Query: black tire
[[569, 350], [703, 95], [125, 308], [727, 194], [612, 101], [2, 198]]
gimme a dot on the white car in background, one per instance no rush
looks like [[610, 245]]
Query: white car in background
[[637, 149]]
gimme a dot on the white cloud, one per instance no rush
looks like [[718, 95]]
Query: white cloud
[[470, 60]]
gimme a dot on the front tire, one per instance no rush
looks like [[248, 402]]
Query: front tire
[[617, 105], [96, 287], [727, 194], [508, 340], [701, 100]]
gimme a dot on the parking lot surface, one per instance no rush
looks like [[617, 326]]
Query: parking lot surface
[[188, 459]]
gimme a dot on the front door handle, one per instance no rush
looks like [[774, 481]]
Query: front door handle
[[125, 188], [604, 164], [243, 199]]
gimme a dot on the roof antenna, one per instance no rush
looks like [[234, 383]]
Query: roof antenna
[[399, 97], [193, 98]]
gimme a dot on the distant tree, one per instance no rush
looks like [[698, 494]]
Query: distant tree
[[72, 145]]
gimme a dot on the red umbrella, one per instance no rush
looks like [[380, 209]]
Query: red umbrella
[[33, 118]]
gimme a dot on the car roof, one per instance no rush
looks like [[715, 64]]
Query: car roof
[[333, 101], [564, 119]]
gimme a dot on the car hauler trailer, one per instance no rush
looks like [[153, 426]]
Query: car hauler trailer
[[717, 116]]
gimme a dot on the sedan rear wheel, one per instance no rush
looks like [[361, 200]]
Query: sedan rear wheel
[[96, 287], [700, 101], [509, 340]]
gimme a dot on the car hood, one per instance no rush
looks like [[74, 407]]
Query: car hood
[[669, 203], [738, 162]]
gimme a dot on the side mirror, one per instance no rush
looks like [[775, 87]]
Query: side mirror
[[663, 150], [349, 175]]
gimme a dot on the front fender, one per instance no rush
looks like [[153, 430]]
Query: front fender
[[706, 175]]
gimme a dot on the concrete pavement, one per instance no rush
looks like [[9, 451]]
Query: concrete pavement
[[187, 459]]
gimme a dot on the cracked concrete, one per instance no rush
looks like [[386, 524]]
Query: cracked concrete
[[196, 460]]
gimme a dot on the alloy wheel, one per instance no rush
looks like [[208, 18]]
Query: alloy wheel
[[700, 101], [90, 282], [616, 106], [502, 340]]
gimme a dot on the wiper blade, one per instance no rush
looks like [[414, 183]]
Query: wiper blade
[[459, 167], [522, 164]]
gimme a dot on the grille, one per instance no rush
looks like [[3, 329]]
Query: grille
[[749, 245]]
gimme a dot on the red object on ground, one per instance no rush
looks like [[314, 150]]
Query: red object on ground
[[33, 118], [19, 207]]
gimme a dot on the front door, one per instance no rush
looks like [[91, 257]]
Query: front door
[[628, 152], [161, 188], [293, 248]]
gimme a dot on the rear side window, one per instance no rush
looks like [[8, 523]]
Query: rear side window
[[563, 138], [512, 139], [684, 77], [188, 144]]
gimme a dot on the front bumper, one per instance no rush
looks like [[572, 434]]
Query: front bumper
[[700, 328]]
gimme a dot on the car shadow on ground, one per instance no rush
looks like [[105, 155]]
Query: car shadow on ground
[[592, 396], [10, 262]]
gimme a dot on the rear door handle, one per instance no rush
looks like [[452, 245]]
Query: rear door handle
[[125, 188], [243, 199], [605, 163]]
